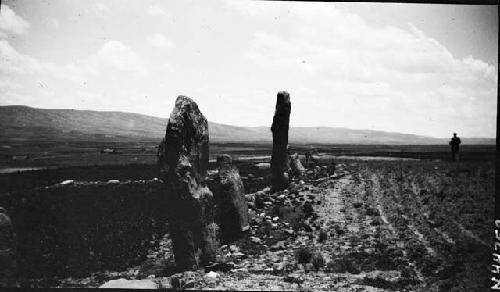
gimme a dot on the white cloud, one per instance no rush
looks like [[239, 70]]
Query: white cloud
[[160, 41], [98, 8], [10, 22], [118, 55], [391, 78], [157, 10], [53, 23], [113, 55], [13, 62]]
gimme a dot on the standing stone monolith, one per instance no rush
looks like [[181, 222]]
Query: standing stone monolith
[[183, 161], [232, 207], [7, 251], [297, 169], [279, 159]]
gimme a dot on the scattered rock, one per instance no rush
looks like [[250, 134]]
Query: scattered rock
[[223, 267], [370, 211], [184, 280], [211, 275], [255, 240], [280, 245], [238, 254], [233, 248], [294, 278], [130, 284], [357, 204]]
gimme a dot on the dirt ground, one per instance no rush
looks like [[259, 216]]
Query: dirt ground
[[371, 226]]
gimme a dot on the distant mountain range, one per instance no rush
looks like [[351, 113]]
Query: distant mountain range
[[27, 123]]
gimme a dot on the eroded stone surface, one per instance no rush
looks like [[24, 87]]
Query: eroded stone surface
[[279, 159], [183, 160], [296, 167], [231, 203]]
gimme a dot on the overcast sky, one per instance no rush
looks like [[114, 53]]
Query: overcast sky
[[412, 68]]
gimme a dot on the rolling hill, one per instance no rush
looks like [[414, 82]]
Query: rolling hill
[[27, 123]]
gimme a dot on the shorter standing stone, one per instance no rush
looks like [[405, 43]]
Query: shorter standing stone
[[297, 169], [8, 265], [232, 207]]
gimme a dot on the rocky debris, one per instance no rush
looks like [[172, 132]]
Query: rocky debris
[[303, 255], [183, 161], [223, 267], [130, 284], [371, 211], [318, 261], [279, 128], [184, 280], [232, 208], [67, 182], [8, 264], [255, 240], [296, 168], [155, 266], [211, 275], [294, 278]]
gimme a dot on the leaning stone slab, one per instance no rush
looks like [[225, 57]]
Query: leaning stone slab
[[231, 203], [279, 159], [183, 161]]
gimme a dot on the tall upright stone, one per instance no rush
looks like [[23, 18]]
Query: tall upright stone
[[279, 159], [8, 264], [230, 199], [183, 161]]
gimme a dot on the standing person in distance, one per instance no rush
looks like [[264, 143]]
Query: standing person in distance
[[455, 145]]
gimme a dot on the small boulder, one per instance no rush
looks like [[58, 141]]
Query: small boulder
[[130, 284], [294, 278], [211, 276]]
